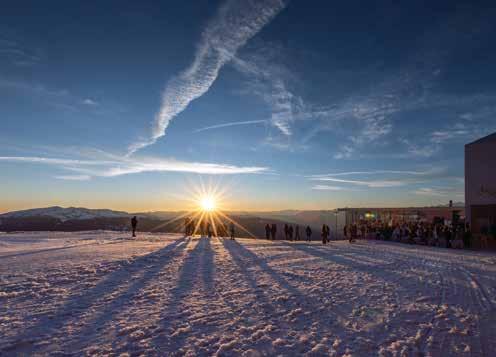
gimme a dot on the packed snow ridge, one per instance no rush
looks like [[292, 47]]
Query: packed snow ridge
[[100, 293]]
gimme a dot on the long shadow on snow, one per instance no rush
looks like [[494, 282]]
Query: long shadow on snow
[[354, 265], [81, 302], [244, 258], [184, 285], [379, 271], [207, 272], [107, 313], [31, 252]]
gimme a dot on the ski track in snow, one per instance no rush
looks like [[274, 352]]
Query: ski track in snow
[[101, 293]]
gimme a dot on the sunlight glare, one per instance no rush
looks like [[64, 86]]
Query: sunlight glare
[[208, 203]]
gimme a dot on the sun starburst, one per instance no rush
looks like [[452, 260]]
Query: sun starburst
[[206, 215], [208, 203]]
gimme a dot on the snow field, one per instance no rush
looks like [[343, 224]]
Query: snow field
[[102, 293]]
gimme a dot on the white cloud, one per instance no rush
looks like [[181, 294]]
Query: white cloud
[[270, 80], [56, 161], [391, 178], [415, 150], [90, 102], [327, 188], [346, 151], [380, 172], [54, 97], [17, 53], [234, 24], [73, 177], [371, 183], [102, 168], [440, 192], [442, 136], [236, 123]]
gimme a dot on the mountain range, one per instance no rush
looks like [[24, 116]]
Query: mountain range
[[78, 219]]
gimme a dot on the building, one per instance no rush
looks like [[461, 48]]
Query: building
[[348, 216], [480, 183]]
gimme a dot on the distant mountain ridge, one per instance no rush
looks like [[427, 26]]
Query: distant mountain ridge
[[58, 218], [65, 214], [73, 219]]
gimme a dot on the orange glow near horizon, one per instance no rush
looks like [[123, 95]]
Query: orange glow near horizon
[[207, 203]]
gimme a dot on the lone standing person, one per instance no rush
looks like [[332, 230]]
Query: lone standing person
[[309, 233], [231, 228], [324, 234], [267, 231], [273, 231], [134, 224]]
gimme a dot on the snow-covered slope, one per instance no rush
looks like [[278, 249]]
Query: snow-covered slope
[[65, 214], [99, 293]]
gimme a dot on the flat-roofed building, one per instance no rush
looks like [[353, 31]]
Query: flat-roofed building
[[392, 215], [480, 183]]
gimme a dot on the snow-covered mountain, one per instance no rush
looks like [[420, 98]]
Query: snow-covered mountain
[[65, 214]]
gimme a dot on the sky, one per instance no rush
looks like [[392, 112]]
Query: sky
[[282, 104]]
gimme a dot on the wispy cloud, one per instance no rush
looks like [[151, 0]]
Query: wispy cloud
[[18, 54], [270, 78], [380, 172], [59, 98], [388, 178], [86, 169], [440, 192], [56, 161], [236, 123], [371, 183], [90, 102], [73, 177], [327, 188], [234, 24]]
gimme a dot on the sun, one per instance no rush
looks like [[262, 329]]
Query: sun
[[207, 203]]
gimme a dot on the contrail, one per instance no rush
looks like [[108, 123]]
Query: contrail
[[234, 24], [87, 169], [248, 122]]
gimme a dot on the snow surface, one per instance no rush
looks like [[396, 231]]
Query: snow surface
[[102, 293]]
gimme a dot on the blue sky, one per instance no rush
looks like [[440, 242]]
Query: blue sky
[[126, 105]]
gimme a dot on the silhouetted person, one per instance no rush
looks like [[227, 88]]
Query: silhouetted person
[[231, 229], [467, 236], [187, 227], [286, 231], [309, 233], [324, 234], [328, 233], [290, 233], [273, 231], [209, 230], [297, 233], [134, 224], [192, 227], [267, 231]]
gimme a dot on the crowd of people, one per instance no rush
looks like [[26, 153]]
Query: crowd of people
[[439, 235], [293, 233], [423, 233], [205, 228], [432, 234]]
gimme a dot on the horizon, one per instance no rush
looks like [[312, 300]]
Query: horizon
[[276, 104], [455, 205]]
